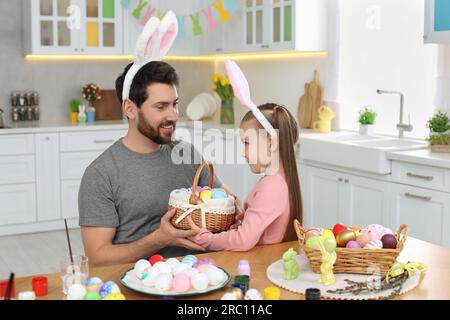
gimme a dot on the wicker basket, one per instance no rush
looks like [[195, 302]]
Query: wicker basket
[[360, 261], [439, 148], [216, 215]]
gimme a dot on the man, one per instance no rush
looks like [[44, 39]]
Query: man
[[124, 193]]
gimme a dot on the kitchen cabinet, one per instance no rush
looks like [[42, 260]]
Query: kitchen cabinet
[[437, 21], [331, 197], [426, 212], [47, 176], [73, 27], [18, 204]]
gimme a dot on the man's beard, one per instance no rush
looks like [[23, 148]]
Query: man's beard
[[153, 134]]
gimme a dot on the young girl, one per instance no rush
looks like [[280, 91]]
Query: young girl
[[275, 200]]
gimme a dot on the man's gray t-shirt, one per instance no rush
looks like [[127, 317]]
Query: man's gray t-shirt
[[130, 191]]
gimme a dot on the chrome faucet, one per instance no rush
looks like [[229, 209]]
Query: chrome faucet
[[401, 126]]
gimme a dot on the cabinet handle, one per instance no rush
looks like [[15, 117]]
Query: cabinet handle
[[346, 181], [340, 179], [410, 195], [104, 141], [418, 176], [219, 50], [47, 138], [265, 46]]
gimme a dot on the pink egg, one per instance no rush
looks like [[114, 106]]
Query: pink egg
[[310, 233], [181, 283], [375, 228], [363, 239], [353, 245], [203, 267], [374, 236]]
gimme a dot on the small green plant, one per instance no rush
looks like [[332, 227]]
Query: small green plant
[[439, 139], [74, 104], [367, 116], [439, 123]]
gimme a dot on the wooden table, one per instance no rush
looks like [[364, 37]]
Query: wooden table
[[435, 284]]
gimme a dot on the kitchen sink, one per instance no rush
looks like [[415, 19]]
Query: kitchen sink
[[354, 151]]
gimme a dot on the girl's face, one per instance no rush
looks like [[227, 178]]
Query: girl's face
[[257, 145]]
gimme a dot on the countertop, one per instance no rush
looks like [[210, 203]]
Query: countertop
[[434, 284], [422, 157]]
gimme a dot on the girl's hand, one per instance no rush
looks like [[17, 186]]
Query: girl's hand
[[238, 219], [193, 226]]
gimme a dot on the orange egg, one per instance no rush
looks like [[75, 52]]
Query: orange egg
[[355, 228]]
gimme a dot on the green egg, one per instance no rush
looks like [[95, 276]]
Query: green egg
[[314, 241], [92, 296]]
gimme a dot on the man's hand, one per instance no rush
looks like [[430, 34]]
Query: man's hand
[[168, 235]]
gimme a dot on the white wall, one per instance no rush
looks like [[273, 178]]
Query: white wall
[[386, 53]]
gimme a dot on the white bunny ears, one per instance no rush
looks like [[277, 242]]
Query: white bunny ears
[[152, 45], [242, 92]]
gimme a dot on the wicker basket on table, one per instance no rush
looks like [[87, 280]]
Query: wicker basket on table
[[216, 215], [360, 261]]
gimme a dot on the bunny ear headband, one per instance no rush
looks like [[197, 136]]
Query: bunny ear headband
[[152, 45], [242, 92]]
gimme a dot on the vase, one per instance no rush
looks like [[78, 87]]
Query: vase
[[366, 129], [227, 112], [74, 117]]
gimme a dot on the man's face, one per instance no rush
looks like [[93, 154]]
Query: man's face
[[158, 115]]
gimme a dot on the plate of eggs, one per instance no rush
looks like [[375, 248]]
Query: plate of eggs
[[175, 278]]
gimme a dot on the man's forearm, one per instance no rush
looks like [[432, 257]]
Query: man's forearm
[[126, 253]]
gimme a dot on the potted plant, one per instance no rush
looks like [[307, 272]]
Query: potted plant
[[439, 138], [366, 120], [74, 104], [91, 93], [222, 86]]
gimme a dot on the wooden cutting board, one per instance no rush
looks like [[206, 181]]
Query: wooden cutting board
[[108, 107], [310, 102]]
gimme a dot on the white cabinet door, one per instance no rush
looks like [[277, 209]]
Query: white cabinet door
[[48, 177], [426, 212], [18, 204], [69, 198], [367, 200], [322, 192]]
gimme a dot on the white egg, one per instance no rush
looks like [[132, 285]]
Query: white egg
[[180, 268], [215, 276], [140, 267], [149, 280], [228, 296], [200, 281], [76, 292], [190, 272], [374, 244], [173, 262], [163, 267], [163, 282], [253, 294]]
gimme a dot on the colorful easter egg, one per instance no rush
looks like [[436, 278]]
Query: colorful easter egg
[[115, 296], [206, 195], [338, 228], [313, 242], [164, 282], [109, 288], [253, 294], [219, 194], [200, 281], [150, 279], [189, 260], [374, 244], [312, 233], [162, 267], [327, 233], [204, 267], [374, 236], [363, 239], [209, 261], [355, 228], [376, 228], [155, 258], [181, 283], [92, 296], [140, 266], [94, 284], [389, 241], [344, 237], [353, 245]]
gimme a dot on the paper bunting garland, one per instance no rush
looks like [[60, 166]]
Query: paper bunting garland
[[205, 19]]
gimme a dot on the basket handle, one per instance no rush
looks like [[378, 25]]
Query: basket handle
[[301, 233], [194, 199], [402, 234]]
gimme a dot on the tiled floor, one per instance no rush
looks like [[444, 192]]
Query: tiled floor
[[38, 253]]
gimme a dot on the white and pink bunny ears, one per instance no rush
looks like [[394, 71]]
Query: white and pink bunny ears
[[242, 92], [152, 45]]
